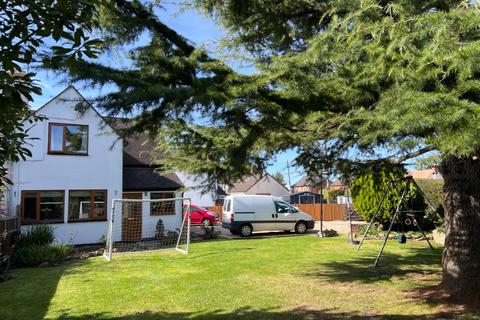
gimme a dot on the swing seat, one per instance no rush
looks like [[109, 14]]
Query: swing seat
[[401, 238]]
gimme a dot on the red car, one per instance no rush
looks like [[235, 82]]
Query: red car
[[201, 215]]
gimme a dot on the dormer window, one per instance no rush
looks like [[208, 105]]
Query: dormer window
[[71, 139]]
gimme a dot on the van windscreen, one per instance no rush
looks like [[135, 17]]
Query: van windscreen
[[226, 207]]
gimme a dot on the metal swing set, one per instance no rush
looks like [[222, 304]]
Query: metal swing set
[[403, 213]]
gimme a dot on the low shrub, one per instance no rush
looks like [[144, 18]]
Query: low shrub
[[38, 235], [35, 246], [159, 230], [35, 255], [375, 231], [333, 194], [330, 233], [209, 233]]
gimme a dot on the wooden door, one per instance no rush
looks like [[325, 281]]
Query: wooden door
[[132, 217]]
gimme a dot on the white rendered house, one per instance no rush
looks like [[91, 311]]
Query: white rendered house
[[78, 165]]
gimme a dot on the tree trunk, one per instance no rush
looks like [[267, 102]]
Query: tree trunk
[[461, 256]]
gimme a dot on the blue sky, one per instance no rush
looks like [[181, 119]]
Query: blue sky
[[201, 31]]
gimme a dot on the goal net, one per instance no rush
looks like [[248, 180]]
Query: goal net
[[137, 225]]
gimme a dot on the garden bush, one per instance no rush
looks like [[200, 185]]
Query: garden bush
[[333, 194], [34, 255], [35, 246], [41, 234], [369, 188], [209, 233], [159, 230], [376, 230]]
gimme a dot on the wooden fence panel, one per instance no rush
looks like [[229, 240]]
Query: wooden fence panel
[[9, 224], [218, 210], [331, 211]]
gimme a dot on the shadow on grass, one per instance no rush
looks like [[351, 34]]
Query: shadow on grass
[[421, 261], [28, 294], [247, 314], [421, 265]]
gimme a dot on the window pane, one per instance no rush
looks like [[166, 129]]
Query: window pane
[[162, 208], [79, 203], [161, 195], [76, 139], [99, 204], [51, 205], [29, 206], [56, 138], [282, 207]]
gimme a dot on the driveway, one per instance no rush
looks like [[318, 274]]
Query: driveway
[[342, 227]]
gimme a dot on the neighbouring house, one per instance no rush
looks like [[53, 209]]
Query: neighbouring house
[[263, 184], [79, 163], [431, 173], [308, 184], [338, 184]]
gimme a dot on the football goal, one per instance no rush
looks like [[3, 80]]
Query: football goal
[[137, 225]]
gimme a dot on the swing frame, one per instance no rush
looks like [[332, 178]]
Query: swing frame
[[410, 213]]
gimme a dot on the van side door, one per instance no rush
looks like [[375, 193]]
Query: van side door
[[285, 218]]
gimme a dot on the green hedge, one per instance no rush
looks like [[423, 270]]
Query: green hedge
[[370, 186]]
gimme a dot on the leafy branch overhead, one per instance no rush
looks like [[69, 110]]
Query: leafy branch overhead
[[414, 90], [42, 30]]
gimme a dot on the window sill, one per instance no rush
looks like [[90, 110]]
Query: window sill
[[88, 220], [163, 215], [66, 154], [29, 223]]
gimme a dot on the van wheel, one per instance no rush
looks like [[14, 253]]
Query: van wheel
[[301, 227], [246, 230], [206, 222]]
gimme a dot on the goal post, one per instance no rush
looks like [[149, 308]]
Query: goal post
[[138, 225]]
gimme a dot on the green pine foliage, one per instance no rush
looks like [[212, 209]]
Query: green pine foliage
[[383, 81]]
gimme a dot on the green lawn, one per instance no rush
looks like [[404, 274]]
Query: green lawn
[[263, 278]]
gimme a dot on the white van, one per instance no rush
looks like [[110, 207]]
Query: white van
[[244, 214]]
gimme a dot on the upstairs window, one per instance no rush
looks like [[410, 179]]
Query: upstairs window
[[67, 139]]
